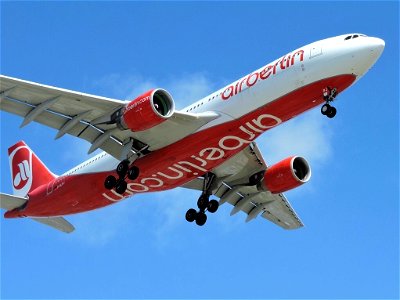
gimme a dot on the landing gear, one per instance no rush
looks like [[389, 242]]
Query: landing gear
[[133, 173], [122, 168], [328, 110], [123, 172], [201, 219], [191, 215], [329, 95], [110, 182], [213, 206], [204, 203], [121, 186]]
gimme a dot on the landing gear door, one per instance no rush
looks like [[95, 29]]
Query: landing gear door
[[315, 51]]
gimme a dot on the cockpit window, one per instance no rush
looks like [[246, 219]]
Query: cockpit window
[[349, 37]]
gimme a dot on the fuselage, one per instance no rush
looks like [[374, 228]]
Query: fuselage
[[247, 107]]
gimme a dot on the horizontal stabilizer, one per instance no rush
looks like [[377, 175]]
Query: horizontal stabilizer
[[57, 223], [9, 202]]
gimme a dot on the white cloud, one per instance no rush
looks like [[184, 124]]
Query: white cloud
[[98, 228], [308, 135], [185, 89], [190, 88], [123, 87], [171, 207]]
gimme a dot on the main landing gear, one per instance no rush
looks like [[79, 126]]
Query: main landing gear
[[204, 203], [124, 171], [329, 95]]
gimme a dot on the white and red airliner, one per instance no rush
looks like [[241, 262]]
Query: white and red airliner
[[209, 146]]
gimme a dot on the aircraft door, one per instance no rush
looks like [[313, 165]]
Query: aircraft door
[[315, 51]]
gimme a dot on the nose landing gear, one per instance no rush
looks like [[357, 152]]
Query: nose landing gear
[[329, 95], [328, 110], [124, 171], [204, 203]]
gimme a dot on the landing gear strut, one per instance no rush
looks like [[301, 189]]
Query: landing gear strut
[[329, 95], [124, 171], [204, 203]]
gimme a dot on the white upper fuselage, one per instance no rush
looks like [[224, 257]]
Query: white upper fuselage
[[344, 54], [322, 59]]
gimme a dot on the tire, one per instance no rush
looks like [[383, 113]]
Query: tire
[[191, 215], [332, 112], [201, 219], [203, 201], [213, 206], [110, 182], [122, 168], [325, 109], [133, 173], [121, 187]]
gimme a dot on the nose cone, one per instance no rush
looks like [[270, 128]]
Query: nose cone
[[365, 53], [377, 45]]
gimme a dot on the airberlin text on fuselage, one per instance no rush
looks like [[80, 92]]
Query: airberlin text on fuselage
[[283, 63], [199, 164]]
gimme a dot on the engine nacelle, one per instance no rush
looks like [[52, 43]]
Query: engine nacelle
[[286, 175], [146, 111]]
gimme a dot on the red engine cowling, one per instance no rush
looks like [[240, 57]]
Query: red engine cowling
[[286, 175], [148, 110]]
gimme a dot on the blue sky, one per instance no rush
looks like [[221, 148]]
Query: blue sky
[[143, 247]]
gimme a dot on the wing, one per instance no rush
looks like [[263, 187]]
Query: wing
[[232, 186], [78, 114]]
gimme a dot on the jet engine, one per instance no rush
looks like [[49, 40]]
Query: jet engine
[[146, 111], [286, 175]]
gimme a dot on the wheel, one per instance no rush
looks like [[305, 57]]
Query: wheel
[[110, 182], [201, 219], [203, 201], [213, 206], [122, 168], [191, 215], [331, 113], [325, 109], [121, 187], [133, 173]]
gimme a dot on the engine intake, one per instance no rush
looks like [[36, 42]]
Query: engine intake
[[286, 175], [146, 111]]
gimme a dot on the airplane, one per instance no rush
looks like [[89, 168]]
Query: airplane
[[209, 146]]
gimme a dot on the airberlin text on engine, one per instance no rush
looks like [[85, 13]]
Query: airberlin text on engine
[[248, 81], [203, 161]]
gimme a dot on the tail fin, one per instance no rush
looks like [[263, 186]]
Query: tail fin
[[27, 171]]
